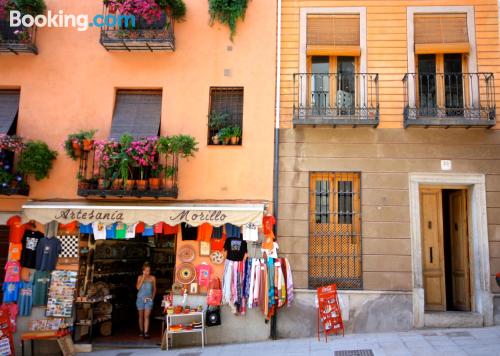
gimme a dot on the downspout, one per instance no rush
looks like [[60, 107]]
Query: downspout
[[274, 318]]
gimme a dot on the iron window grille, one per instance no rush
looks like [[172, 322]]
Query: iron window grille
[[229, 101], [335, 230]]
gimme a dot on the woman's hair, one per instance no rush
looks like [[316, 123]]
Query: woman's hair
[[146, 265]]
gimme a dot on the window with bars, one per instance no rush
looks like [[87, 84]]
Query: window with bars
[[335, 230], [225, 118]]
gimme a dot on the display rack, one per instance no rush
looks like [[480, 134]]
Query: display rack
[[169, 334]]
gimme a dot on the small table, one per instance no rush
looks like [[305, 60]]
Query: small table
[[202, 330], [43, 335]]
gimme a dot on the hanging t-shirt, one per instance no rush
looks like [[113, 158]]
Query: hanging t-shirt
[[11, 291], [121, 230], [268, 222], [189, 233], [30, 242], [236, 249], [51, 229], [16, 229], [273, 252], [40, 287], [99, 230], [46, 253], [148, 230], [27, 274], [158, 228], [130, 233], [217, 244], [15, 251], [139, 228], [250, 232], [111, 232], [217, 232], [67, 229], [203, 271], [204, 232], [25, 299], [12, 271], [170, 230], [85, 228], [232, 231]]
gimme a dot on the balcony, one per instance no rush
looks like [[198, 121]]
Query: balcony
[[449, 100], [17, 39], [336, 99], [143, 36]]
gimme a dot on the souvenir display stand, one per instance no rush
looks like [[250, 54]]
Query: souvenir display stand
[[174, 328], [329, 313]]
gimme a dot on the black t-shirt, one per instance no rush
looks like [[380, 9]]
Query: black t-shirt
[[30, 242], [189, 232], [236, 249]]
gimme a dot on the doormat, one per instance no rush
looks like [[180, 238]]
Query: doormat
[[354, 353]]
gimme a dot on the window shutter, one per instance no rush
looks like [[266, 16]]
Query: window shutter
[[441, 33], [137, 113], [333, 35], [9, 105]]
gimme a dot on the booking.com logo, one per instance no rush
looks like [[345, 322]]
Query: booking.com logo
[[60, 19]]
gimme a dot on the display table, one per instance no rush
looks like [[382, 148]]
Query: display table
[[174, 319], [63, 339]]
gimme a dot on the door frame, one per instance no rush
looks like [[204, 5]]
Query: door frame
[[481, 298]]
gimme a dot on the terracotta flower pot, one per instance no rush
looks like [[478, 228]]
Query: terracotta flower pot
[[87, 144], [77, 149], [83, 185], [226, 140], [235, 140], [129, 185], [117, 184], [142, 184], [215, 140], [102, 183], [154, 183], [167, 183]]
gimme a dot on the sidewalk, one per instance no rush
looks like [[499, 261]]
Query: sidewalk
[[443, 342]]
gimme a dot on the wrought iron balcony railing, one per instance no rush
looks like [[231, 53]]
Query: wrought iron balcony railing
[[336, 99], [143, 36], [449, 99], [18, 39]]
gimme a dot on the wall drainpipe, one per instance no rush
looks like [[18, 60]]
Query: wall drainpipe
[[274, 318]]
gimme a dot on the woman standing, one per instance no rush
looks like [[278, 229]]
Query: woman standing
[[146, 291]]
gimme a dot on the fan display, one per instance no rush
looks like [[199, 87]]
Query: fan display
[[217, 257], [186, 254], [186, 273]]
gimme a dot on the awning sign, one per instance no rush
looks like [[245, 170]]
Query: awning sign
[[216, 215]]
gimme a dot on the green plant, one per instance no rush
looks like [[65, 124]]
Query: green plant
[[5, 177], [124, 161], [170, 171], [36, 159], [217, 120], [184, 145], [164, 145], [68, 145], [156, 169], [31, 7], [236, 131], [227, 12], [88, 135], [177, 8], [225, 133]]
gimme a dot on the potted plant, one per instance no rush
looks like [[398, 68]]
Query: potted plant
[[235, 135], [106, 154], [88, 139], [227, 12], [72, 146], [5, 178], [31, 7], [217, 121], [225, 135], [143, 153], [36, 159], [184, 145], [169, 177], [154, 181]]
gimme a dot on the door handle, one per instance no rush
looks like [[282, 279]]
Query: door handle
[[429, 225], [430, 251]]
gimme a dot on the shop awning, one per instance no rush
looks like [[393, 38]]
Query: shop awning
[[193, 214]]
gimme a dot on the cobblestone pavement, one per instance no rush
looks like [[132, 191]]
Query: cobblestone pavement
[[454, 342]]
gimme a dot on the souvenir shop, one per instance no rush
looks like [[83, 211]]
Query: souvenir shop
[[217, 270]]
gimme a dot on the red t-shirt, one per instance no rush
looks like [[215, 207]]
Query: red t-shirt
[[204, 232], [268, 222], [16, 231], [217, 244], [165, 228], [139, 228]]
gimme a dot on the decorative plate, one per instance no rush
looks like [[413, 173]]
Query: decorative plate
[[217, 257], [176, 288], [186, 254], [186, 273]]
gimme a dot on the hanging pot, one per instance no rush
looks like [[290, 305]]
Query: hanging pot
[[154, 183], [142, 184], [77, 149], [129, 185], [87, 144]]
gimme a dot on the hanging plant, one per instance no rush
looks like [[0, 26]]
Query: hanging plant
[[36, 159], [227, 12]]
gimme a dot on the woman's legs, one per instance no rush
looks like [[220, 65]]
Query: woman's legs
[[147, 314], [141, 321]]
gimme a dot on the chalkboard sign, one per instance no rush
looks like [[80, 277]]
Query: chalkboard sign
[[329, 314]]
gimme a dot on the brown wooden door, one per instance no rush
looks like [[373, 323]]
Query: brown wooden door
[[459, 250], [432, 249]]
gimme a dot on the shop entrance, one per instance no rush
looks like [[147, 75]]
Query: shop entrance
[[445, 249], [111, 268]]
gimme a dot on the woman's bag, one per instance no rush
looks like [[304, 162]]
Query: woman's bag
[[214, 294], [212, 317]]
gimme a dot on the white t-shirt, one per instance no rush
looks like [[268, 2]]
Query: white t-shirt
[[272, 253], [99, 230], [250, 232], [130, 233]]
